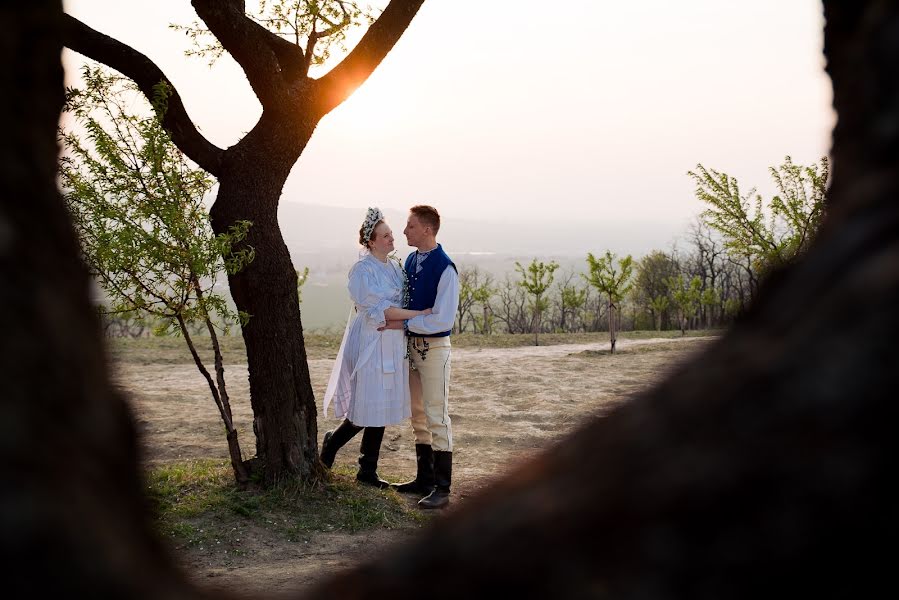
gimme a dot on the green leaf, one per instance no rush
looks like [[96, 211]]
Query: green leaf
[[138, 207]]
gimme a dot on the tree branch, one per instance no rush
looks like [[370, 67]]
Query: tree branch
[[334, 27], [290, 56], [310, 48], [91, 43], [342, 80], [316, 35], [268, 60]]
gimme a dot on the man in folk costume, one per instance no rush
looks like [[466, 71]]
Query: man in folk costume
[[433, 282]]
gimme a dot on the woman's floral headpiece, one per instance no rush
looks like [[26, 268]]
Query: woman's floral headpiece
[[372, 217]]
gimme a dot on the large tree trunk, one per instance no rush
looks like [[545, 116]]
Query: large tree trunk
[[284, 411]]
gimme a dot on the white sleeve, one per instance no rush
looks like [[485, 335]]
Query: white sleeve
[[445, 306], [364, 292]]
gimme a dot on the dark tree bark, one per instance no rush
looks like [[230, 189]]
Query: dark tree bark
[[73, 518], [763, 467], [251, 176]]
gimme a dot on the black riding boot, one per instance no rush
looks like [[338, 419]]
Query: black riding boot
[[443, 475], [335, 440], [423, 483], [368, 462]]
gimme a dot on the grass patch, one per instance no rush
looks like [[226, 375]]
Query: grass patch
[[197, 504]]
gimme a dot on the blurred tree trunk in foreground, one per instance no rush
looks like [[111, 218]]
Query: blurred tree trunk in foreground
[[74, 518]]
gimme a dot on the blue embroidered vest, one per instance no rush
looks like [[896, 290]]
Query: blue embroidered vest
[[423, 285]]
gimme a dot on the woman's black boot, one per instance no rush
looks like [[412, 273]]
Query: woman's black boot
[[335, 439], [368, 461]]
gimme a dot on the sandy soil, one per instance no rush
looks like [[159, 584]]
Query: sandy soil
[[504, 403]]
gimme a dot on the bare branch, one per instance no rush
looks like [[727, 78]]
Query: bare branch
[[310, 48], [91, 43], [268, 60], [342, 80], [334, 27]]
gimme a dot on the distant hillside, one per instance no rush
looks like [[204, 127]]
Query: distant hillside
[[325, 236]]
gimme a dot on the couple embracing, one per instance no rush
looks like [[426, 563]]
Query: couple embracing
[[394, 360]]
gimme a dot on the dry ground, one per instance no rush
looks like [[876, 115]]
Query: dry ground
[[505, 403]]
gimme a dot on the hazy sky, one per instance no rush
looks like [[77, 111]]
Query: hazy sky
[[498, 110]]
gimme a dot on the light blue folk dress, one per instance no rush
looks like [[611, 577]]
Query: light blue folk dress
[[369, 383]]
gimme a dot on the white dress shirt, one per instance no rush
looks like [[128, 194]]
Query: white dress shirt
[[445, 306]]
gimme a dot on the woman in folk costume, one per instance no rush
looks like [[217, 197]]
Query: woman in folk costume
[[369, 385]]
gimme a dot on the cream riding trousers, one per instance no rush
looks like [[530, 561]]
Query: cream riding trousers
[[429, 387]]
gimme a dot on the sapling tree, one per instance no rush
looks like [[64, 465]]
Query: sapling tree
[[613, 281], [138, 209], [650, 289], [475, 288], [708, 300], [686, 296], [571, 300], [659, 304], [535, 280]]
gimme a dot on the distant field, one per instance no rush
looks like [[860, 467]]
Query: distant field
[[326, 303]]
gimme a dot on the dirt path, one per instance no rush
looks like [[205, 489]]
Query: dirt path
[[559, 350], [505, 404]]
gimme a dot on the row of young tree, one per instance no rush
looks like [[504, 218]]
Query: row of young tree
[[736, 242]]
